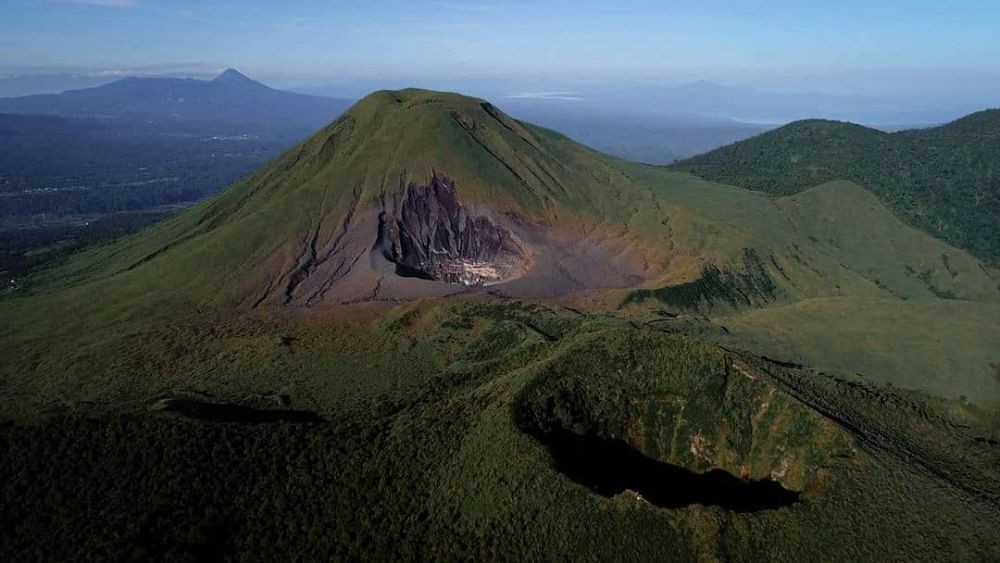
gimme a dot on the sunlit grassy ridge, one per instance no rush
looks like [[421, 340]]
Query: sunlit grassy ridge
[[945, 347]]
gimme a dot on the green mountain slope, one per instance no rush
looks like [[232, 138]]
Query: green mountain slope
[[309, 231], [434, 332], [338, 182], [864, 338], [944, 180]]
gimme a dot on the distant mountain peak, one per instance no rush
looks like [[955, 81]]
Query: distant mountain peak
[[233, 76], [230, 97]]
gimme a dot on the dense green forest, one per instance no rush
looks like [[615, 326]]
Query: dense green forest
[[57, 166], [440, 457], [28, 248], [945, 180], [66, 183]]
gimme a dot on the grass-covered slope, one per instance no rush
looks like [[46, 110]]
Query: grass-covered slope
[[944, 180], [226, 249], [702, 247], [167, 396], [430, 444], [832, 240], [948, 348]]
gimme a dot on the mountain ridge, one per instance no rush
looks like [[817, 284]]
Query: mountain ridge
[[942, 179], [230, 97]]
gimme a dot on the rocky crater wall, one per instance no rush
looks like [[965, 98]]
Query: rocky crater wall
[[428, 233]]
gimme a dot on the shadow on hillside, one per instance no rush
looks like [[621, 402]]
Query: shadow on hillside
[[609, 467], [220, 412]]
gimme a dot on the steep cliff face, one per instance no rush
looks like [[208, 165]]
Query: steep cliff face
[[428, 233]]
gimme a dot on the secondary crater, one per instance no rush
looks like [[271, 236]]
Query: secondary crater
[[677, 423], [428, 233]]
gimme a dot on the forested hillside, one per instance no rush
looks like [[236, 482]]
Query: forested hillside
[[944, 180]]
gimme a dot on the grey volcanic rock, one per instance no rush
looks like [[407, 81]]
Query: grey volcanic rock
[[428, 233]]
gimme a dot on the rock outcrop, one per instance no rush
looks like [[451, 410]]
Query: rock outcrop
[[428, 233]]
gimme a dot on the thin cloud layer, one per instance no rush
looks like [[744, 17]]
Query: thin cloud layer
[[568, 96], [105, 3]]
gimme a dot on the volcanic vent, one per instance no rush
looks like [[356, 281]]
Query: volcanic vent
[[428, 233]]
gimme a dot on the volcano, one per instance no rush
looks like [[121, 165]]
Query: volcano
[[414, 194], [409, 194]]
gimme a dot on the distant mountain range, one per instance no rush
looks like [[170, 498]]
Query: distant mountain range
[[635, 130], [651, 124], [230, 97], [627, 134], [702, 99], [33, 82], [705, 98], [775, 108], [144, 143]]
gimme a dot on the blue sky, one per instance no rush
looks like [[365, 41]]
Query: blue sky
[[313, 41]]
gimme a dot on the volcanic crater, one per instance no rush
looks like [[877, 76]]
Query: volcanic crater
[[428, 233]]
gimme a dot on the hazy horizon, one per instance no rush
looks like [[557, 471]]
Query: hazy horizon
[[929, 54]]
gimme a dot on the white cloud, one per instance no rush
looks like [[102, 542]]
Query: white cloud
[[105, 3], [567, 96]]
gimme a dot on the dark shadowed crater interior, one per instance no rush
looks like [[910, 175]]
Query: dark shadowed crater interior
[[428, 233], [609, 467]]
